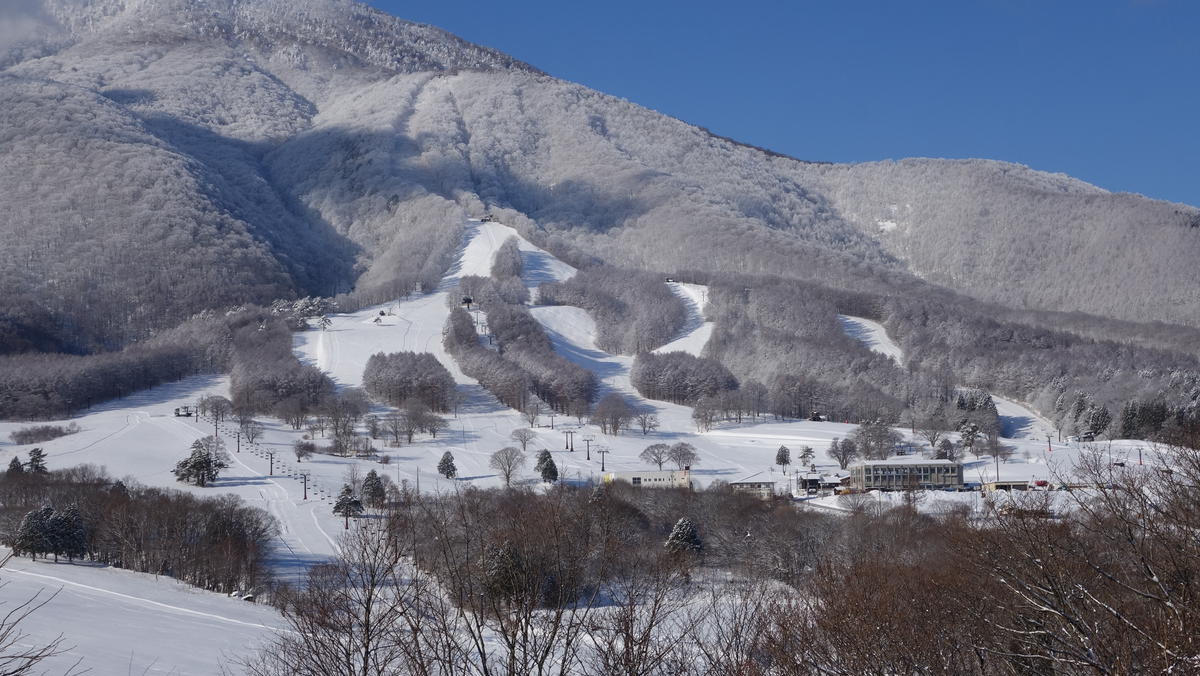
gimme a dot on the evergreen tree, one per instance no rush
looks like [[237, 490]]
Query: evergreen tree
[[204, 464], [373, 490], [446, 466], [684, 538], [547, 468], [347, 505], [1129, 420], [66, 534], [33, 535], [1098, 420], [783, 457], [15, 468], [806, 455], [37, 462]]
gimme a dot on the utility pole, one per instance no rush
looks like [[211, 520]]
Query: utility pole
[[602, 451], [588, 439], [552, 413], [271, 454], [569, 440], [238, 437], [304, 478]]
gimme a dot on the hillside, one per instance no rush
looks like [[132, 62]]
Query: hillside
[[319, 147]]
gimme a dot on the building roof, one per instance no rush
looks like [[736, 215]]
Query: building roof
[[904, 460]]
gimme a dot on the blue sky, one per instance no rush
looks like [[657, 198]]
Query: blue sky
[[1104, 90]]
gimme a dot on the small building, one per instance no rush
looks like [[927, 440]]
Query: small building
[[653, 478], [906, 473], [990, 486], [759, 488]]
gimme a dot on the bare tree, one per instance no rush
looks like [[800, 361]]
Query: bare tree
[[683, 455], [523, 436], [531, 413], [656, 454], [844, 451], [252, 431], [507, 461], [647, 420]]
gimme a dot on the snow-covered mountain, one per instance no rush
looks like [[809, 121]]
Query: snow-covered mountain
[[161, 157]]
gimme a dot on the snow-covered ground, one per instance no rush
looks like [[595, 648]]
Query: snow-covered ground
[[872, 334], [130, 623], [696, 330], [139, 437]]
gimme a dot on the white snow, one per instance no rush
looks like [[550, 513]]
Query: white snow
[[139, 437], [872, 334], [695, 333], [886, 226]]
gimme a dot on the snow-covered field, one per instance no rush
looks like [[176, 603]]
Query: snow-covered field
[[139, 437]]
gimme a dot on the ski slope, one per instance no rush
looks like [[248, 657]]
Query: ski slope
[[121, 622], [176, 629], [872, 335], [696, 331]]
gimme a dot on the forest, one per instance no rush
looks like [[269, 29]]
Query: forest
[[216, 543]]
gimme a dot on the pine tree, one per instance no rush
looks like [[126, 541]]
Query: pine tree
[[783, 457], [204, 464], [347, 505], [446, 466], [548, 470], [66, 534], [15, 468], [33, 535], [37, 462], [684, 538], [806, 455], [373, 490]]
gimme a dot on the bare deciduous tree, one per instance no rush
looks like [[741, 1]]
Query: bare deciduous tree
[[507, 462]]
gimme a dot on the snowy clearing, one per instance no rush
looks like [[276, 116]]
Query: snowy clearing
[[872, 334], [696, 331]]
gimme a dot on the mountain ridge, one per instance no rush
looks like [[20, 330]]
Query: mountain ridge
[[348, 143]]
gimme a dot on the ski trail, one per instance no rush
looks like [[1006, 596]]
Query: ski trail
[[137, 599]]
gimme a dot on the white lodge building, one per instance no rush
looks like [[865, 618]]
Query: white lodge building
[[904, 473], [666, 478]]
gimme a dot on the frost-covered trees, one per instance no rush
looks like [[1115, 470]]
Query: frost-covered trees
[[783, 458], [446, 466], [684, 538], [612, 414], [679, 377], [204, 464], [875, 440], [403, 376], [634, 310], [507, 462]]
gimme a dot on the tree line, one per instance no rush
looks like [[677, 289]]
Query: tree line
[[216, 543], [635, 311]]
